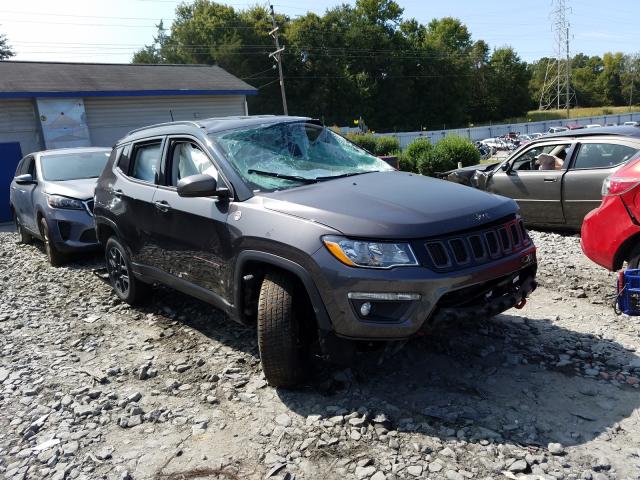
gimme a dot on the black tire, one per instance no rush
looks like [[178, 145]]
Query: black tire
[[55, 257], [124, 283], [23, 235], [280, 337], [634, 258]]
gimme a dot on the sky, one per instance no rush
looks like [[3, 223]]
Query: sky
[[110, 31]]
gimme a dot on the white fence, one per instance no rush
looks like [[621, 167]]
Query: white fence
[[480, 133]]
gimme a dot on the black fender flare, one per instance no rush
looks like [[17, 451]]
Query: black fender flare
[[101, 221], [322, 317]]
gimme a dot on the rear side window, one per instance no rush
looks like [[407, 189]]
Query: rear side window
[[146, 160], [603, 155]]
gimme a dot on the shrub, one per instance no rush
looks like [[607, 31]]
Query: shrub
[[448, 152], [364, 140], [405, 162], [386, 145], [418, 155]]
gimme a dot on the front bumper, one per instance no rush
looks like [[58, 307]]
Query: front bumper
[[604, 231], [71, 230], [486, 289]]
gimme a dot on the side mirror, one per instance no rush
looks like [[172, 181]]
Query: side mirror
[[201, 185], [505, 167], [25, 179]]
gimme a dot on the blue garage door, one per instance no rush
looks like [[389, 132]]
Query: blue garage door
[[10, 155]]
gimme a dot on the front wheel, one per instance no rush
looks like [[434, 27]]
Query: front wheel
[[280, 338], [127, 287], [23, 236], [56, 258]]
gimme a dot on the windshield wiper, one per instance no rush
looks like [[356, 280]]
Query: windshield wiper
[[351, 174], [283, 176]]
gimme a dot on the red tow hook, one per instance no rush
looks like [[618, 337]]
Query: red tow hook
[[520, 305]]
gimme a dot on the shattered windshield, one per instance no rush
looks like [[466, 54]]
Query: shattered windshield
[[286, 155]]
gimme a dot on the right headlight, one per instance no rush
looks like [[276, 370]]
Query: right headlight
[[370, 253]]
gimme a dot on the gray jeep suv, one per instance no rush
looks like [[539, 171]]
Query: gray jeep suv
[[284, 224]]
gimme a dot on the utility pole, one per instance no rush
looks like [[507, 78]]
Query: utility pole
[[568, 74], [277, 56], [557, 79]]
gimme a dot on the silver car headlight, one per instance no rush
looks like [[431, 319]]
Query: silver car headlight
[[58, 201], [370, 253]]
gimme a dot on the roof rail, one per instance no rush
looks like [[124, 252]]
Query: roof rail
[[177, 122]]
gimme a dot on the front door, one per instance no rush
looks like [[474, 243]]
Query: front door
[[538, 192], [191, 232], [594, 161], [24, 195]]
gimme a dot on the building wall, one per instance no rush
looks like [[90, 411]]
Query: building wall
[[110, 118], [18, 123]]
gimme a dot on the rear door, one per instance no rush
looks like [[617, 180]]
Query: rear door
[[595, 160], [139, 166], [538, 192]]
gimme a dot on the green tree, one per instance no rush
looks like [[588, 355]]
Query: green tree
[[509, 83], [153, 53], [610, 80], [5, 48]]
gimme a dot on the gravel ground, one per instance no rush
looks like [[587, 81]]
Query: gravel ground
[[92, 388]]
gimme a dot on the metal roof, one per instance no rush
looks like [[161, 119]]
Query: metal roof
[[212, 125], [58, 79], [623, 130]]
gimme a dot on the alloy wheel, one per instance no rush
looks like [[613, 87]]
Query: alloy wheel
[[118, 271], [47, 242]]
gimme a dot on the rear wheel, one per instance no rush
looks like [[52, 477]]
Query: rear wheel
[[127, 287], [634, 258], [23, 236], [56, 258], [280, 335]]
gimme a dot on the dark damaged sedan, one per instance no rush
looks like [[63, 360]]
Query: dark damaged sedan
[[289, 227]]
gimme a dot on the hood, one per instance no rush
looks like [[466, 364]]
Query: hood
[[389, 205], [82, 189]]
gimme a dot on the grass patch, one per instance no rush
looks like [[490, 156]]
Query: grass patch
[[545, 115]]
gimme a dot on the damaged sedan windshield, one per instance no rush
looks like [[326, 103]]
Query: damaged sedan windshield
[[285, 155]]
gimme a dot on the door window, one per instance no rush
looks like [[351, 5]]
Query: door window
[[28, 166], [542, 157], [146, 158], [188, 159], [602, 155]]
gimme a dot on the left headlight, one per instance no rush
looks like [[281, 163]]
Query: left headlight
[[57, 201], [370, 254]]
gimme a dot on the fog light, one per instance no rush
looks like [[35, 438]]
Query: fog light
[[365, 309]]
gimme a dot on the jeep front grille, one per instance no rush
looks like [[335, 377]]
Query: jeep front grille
[[478, 246]]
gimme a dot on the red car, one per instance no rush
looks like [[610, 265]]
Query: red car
[[611, 232]]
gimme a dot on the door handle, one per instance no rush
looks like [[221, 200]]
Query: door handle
[[162, 205], [550, 179], [117, 193]]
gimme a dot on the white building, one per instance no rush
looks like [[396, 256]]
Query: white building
[[47, 105]]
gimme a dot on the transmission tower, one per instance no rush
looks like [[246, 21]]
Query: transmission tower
[[556, 91]]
